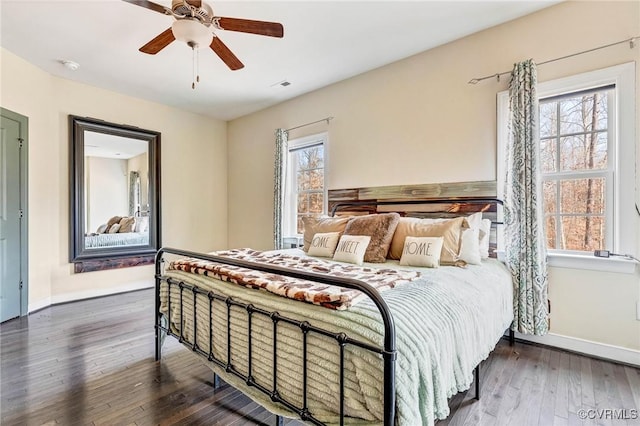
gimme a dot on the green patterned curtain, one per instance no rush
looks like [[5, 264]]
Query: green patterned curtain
[[280, 177], [134, 193], [525, 243]]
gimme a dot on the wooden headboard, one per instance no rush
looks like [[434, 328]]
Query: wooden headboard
[[422, 200]]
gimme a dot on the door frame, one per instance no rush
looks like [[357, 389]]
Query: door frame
[[24, 204]]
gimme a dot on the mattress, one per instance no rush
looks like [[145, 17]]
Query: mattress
[[447, 322]]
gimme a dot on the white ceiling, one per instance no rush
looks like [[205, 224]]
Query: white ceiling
[[111, 146], [324, 42]]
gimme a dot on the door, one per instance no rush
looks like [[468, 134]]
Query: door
[[12, 129]]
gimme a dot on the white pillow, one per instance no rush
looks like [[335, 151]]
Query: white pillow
[[422, 251], [323, 244], [485, 233], [351, 248], [470, 246], [475, 220], [466, 245], [101, 228], [142, 224], [114, 228]]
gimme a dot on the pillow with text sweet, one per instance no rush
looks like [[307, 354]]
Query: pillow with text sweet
[[351, 248]]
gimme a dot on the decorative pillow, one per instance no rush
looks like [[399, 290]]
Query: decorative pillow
[[485, 234], [451, 230], [352, 248], [422, 251], [380, 227], [142, 224], [470, 246], [405, 224], [127, 224], [102, 229], [315, 225], [474, 220], [324, 244], [114, 228], [112, 222]]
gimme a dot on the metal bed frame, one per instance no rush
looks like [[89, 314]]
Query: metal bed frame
[[387, 350]]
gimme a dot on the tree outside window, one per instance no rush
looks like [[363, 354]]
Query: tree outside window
[[575, 146], [309, 169]]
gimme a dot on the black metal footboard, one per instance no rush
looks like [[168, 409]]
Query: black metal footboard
[[387, 350]]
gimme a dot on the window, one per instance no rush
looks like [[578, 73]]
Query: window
[[587, 152], [306, 192], [577, 156]]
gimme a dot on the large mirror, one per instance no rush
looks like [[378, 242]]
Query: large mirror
[[115, 194]]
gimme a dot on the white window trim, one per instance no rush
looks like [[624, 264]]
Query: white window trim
[[625, 223], [289, 228]]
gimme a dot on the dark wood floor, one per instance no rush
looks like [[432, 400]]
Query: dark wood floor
[[91, 362]]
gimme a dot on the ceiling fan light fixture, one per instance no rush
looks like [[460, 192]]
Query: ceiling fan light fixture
[[192, 32]]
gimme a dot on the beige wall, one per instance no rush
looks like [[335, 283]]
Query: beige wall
[[418, 121], [106, 190], [595, 306], [194, 177]]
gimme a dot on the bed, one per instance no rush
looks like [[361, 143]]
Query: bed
[[394, 357], [116, 240]]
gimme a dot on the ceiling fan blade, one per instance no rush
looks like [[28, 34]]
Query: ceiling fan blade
[[271, 29], [148, 5], [158, 43], [225, 54]]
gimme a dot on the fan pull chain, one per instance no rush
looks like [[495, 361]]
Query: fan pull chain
[[198, 66], [195, 66]]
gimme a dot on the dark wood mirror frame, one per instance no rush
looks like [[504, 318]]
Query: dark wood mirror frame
[[94, 259]]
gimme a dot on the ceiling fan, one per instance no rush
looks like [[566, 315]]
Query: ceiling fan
[[195, 24]]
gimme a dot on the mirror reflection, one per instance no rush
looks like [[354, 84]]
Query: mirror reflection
[[114, 178], [116, 191]]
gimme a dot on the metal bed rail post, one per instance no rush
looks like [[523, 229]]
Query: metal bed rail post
[[158, 315]]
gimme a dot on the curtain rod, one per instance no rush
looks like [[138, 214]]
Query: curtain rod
[[631, 41], [327, 119]]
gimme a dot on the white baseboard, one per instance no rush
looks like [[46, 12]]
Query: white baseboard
[[40, 304], [587, 347], [88, 294]]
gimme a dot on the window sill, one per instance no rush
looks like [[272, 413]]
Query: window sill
[[592, 263]]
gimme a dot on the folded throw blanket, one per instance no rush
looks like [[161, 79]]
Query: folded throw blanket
[[328, 296]]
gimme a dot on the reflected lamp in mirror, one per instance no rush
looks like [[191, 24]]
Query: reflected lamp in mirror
[[114, 193]]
